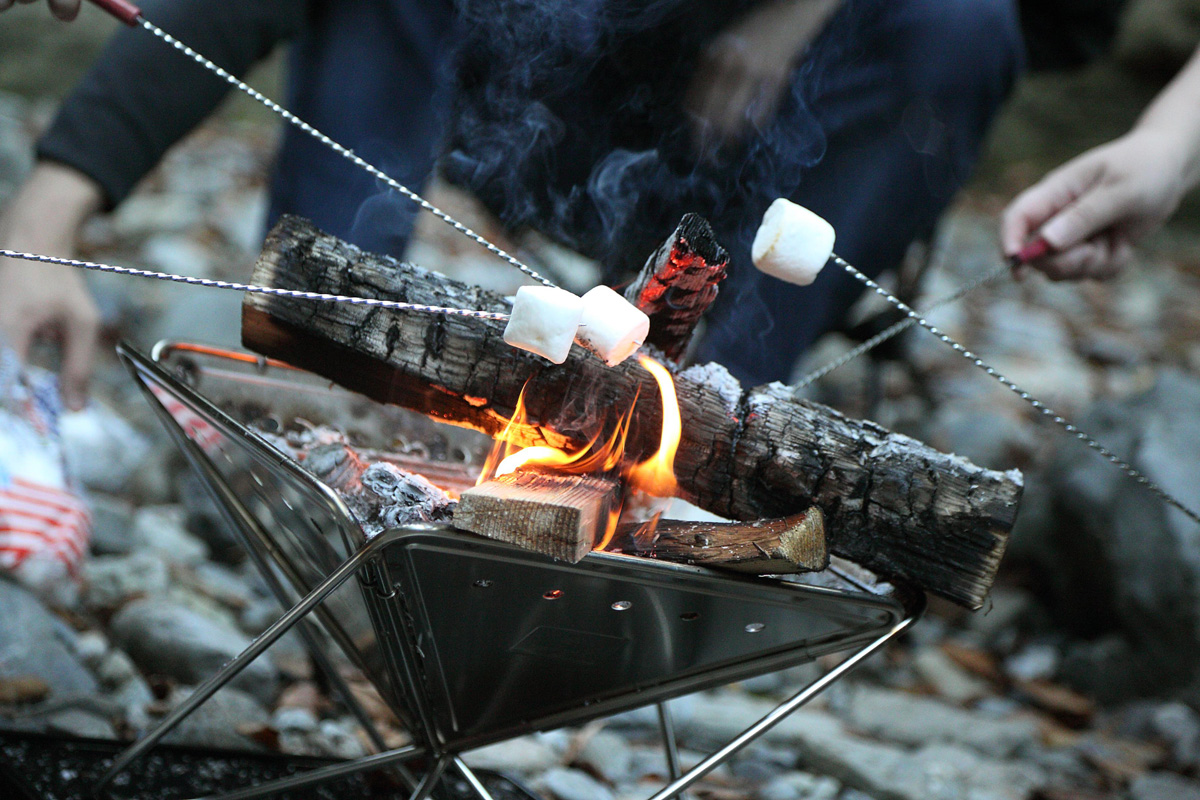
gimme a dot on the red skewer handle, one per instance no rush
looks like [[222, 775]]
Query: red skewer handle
[[1032, 251], [121, 9]]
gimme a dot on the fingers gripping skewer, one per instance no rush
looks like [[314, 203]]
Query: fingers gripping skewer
[[131, 15]]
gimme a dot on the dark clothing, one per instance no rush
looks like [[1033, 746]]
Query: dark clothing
[[567, 117], [140, 97]]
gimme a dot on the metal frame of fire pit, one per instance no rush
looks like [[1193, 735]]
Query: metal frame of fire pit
[[472, 641]]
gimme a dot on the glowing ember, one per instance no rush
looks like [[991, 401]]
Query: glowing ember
[[654, 476]]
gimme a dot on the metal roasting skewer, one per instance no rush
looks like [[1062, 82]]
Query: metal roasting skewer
[[899, 327], [252, 289], [1041, 407], [128, 13], [131, 15]]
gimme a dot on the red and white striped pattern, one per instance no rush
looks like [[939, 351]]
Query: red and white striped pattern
[[41, 519], [197, 428]]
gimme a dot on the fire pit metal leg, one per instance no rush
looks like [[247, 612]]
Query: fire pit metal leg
[[431, 779], [472, 779], [323, 774], [231, 670], [782, 711], [670, 747]]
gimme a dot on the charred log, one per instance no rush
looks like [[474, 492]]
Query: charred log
[[678, 283], [891, 503]]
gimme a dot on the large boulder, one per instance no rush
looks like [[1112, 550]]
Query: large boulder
[[1123, 565]]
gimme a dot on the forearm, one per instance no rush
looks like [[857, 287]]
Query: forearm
[[1175, 112], [49, 209]]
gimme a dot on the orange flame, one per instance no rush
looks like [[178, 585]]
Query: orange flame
[[655, 476]]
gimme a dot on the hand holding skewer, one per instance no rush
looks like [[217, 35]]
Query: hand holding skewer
[[1092, 209], [66, 10]]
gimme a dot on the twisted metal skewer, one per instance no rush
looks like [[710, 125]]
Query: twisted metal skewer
[[341, 150], [899, 327], [252, 289], [1130, 470]]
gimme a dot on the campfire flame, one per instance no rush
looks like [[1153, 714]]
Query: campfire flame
[[654, 476]]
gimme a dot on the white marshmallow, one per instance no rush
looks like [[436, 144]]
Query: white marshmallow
[[792, 243], [611, 327], [544, 320]]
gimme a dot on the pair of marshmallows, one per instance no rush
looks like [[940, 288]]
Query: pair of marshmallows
[[547, 320], [792, 243]]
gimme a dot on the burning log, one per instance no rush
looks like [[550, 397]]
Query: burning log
[[891, 503], [678, 283], [767, 547], [563, 516]]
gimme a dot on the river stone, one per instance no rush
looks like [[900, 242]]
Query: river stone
[[800, 786], [216, 723], [572, 784], [525, 755], [111, 580], [162, 529], [35, 643], [1124, 561], [1163, 786], [608, 755], [936, 771], [112, 525], [912, 720], [166, 638], [78, 722]]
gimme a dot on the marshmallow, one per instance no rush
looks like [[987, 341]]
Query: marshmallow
[[792, 243], [611, 327], [544, 320]]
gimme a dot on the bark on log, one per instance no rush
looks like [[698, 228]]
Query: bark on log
[[563, 516], [678, 284], [766, 547], [891, 503]]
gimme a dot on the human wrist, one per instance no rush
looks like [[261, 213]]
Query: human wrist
[[56, 195], [1177, 143]]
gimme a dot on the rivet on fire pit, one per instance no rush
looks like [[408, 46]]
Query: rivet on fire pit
[[553, 594], [754, 627], [482, 583], [690, 616], [622, 605]]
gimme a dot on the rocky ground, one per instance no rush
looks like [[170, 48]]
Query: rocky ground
[[1079, 681]]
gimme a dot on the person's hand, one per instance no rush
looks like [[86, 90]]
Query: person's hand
[[38, 300], [745, 70], [1093, 208], [66, 10]]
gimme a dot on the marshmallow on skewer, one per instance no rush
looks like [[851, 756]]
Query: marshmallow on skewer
[[792, 243], [611, 327], [544, 320]]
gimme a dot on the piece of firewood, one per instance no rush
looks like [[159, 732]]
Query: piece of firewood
[[766, 547], [678, 283], [893, 504], [563, 516]]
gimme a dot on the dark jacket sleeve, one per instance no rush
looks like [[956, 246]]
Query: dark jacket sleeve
[[141, 95]]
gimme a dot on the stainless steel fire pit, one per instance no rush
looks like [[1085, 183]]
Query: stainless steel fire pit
[[472, 641]]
